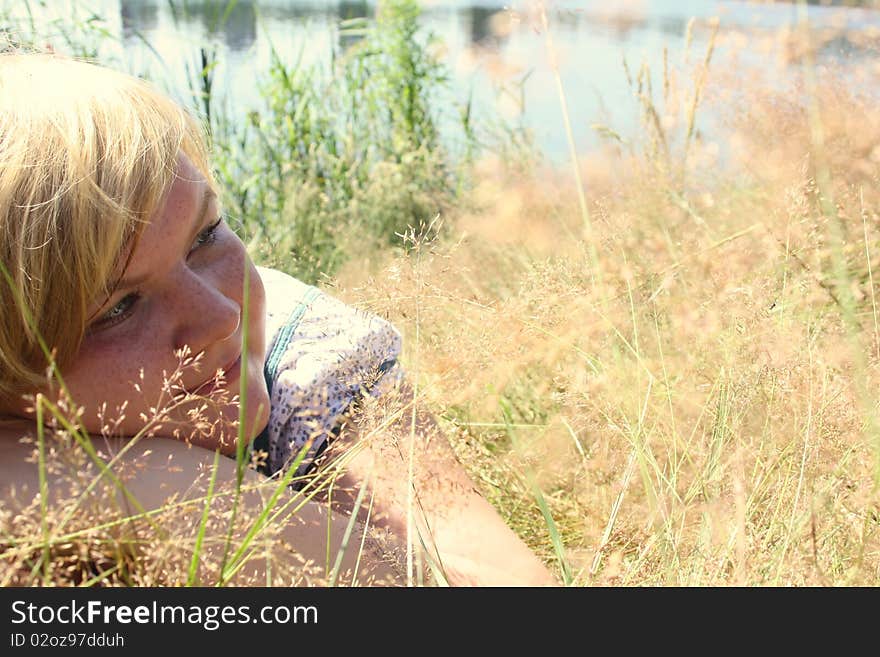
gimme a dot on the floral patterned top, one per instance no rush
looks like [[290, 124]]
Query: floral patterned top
[[321, 354]]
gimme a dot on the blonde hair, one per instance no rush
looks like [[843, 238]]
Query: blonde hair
[[87, 155]]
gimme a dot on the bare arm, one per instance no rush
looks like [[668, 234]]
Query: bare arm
[[462, 533], [167, 475]]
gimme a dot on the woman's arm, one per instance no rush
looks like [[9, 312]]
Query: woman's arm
[[461, 531], [306, 531], [166, 474]]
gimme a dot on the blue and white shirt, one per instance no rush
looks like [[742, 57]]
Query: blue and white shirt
[[321, 354]]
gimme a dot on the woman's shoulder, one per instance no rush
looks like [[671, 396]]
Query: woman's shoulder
[[281, 288], [322, 355], [303, 321], [284, 294]]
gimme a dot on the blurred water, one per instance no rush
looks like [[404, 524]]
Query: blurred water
[[502, 64]]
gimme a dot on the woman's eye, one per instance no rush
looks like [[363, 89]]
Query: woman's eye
[[207, 236], [121, 311]]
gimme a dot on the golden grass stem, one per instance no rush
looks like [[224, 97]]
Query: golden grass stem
[[666, 387], [566, 121], [870, 273], [410, 520], [808, 430], [574, 438], [615, 509], [698, 90]]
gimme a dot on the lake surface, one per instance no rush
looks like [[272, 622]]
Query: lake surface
[[499, 59]]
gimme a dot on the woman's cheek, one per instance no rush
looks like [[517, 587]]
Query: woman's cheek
[[257, 292], [236, 262], [115, 358]]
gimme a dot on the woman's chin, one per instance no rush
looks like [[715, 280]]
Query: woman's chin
[[216, 425], [257, 404]]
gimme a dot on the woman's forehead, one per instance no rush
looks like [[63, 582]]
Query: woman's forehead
[[179, 214], [185, 197], [186, 171], [179, 217]]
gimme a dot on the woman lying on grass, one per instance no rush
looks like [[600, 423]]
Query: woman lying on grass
[[163, 347]]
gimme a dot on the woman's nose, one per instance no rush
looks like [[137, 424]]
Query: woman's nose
[[206, 314]]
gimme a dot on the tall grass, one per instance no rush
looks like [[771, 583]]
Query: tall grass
[[702, 412], [334, 163]]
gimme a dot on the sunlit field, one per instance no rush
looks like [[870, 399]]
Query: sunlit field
[[658, 360]]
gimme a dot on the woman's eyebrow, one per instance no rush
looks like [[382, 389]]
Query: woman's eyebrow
[[208, 196], [128, 282]]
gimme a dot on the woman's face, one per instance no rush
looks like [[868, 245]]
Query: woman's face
[[182, 288]]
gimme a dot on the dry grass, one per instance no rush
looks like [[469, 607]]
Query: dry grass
[[698, 406], [691, 387]]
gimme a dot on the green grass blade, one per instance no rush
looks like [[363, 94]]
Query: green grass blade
[[334, 575], [44, 490], [200, 537], [240, 450]]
